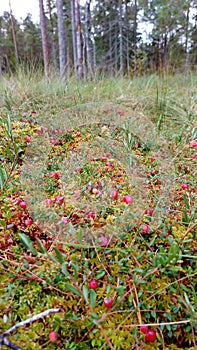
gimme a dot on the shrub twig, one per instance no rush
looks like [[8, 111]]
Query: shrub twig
[[7, 342]]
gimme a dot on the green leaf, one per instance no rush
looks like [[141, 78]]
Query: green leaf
[[64, 269], [42, 248], [100, 274], [92, 298], [188, 302], [3, 176], [9, 154], [85, 293], [186, 201], [53, 258], [9, 126], [76, 270], [185, 219], [71, 228], [27, 243], [173, 253], [72, 289], [58, 255]]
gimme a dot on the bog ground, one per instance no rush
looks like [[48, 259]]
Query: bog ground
[[99, 212]]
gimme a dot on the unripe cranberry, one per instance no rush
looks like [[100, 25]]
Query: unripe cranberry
[[78, 169], [145, 228], [27, 138], [53, 336], [65, 220], [49, 201]]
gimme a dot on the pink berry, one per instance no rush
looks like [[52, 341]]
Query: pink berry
[[184, 186], [23, 205], [103, 159], [65, 220], [150, 335], [53, 336], [104, 241], [78, 169], [77, 193], [108, 302], [91, 214], [49, 201], [93, 284], [145, 228], [28, 222], [18, 201], [59, 199], [27, 138], [194, 144], [114, 194], [54, 174], [149, 211], [128, 199], [144, 329]]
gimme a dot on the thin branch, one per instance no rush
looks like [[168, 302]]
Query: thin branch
[[31, 319], [157, 324], [7, 342]]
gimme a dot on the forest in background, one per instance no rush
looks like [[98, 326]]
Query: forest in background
[[102, 37]]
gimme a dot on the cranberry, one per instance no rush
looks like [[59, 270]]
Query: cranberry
[[108, 302], [150, 335], [93, 284], [144, 329], [53, 336], [23, 205], [28, 222]]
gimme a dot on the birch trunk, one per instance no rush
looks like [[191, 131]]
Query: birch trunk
[[61, 37], [45, 47]]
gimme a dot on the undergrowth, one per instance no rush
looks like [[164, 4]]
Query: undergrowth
[[72, 152]]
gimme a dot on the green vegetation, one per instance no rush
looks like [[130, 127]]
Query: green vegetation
[[70, 152]]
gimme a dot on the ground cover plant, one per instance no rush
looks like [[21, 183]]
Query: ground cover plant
[[98, 213]]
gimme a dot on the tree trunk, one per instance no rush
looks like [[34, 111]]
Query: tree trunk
[[135, 35], [187, 40], [52, 35], [78, 41], [88, 42], [74, 36], [61, 37], [45, 47], [14, 35], [121, 37]]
